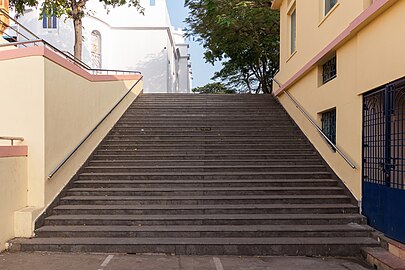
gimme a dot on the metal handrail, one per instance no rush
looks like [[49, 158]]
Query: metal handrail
[[15, 30], [75, 60], [4, 12], [12, 139], [316, 126], [21, 43], [57, 168]]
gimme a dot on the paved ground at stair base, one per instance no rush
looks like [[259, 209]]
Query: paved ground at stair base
[[56, 261]]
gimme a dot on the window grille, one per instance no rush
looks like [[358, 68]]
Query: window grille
[[329, 70], [329, 125]]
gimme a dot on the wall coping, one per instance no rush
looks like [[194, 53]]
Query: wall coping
[[59, 60], [14, 151], [354, 27]]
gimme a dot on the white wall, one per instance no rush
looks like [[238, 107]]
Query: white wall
[[129, 41]]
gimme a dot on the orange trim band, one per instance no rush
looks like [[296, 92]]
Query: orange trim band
[[57, 59], [14, 151]]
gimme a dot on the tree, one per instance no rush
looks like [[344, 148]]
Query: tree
[[213, 88], [73, 9], [243, 34]]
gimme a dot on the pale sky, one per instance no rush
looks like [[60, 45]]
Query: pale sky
[[202, 72]]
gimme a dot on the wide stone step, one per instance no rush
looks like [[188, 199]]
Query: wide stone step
[[219, 231], [207, 140], [205, 200], [205, 175], [169, 131], [293, 246], [206, 183], [203, 156], [197, 162], [217, 122], [221, 219], [201, 191], [206, 151], [205, 209], [247, 125], [224, 141], [206, 168], [185, 145]]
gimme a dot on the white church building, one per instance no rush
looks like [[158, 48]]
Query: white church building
[[121, 38]]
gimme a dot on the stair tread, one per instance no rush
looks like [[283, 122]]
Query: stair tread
[[207, 166], [201, 241], [202, 173], [208, 206], [207, 189], [205, 181], [239, 197], [205, 217], [215, 228]]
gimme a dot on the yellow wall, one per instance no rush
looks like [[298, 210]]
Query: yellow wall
[[13, 194], [71, 112], [54, 109], [314, 30], [373, 57]]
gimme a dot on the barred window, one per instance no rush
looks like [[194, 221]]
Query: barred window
[[329, 70], [329, 125]]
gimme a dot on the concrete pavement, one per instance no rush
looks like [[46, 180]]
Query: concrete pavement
[[80, 261]]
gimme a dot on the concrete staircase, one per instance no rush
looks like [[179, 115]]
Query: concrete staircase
[[204, 174]]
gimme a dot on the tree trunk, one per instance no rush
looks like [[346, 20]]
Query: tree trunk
[[78, 37]]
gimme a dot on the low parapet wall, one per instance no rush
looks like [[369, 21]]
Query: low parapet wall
[[13, 191], [54, 104]]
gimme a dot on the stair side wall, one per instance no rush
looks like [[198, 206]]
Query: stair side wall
[[54, 104]]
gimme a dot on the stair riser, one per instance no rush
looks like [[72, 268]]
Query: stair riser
[[207, 118], [207, 130], [208, 211], [210, 137], [213, 123], [110, 201], [192, 152], [197, 185], [197, 169], [325, 175], [199, 124], [220, 146], [215, 158], [204, 193], [223, 234], [194, 222], [203, 163], [241, 131], [208, 143]]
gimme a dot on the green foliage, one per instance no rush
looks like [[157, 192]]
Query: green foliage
[[243, 34], [72, 8], [213, 88]]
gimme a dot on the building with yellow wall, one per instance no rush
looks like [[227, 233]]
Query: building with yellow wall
[[342, 61]]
